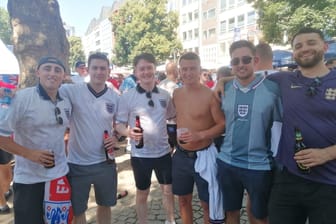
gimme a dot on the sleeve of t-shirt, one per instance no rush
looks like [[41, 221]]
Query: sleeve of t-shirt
[[13, 115]]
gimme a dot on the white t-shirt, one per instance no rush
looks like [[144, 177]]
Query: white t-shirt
[[152, 119], [92, 114], [31, 116]]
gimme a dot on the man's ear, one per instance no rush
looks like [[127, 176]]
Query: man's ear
[[256, 59]]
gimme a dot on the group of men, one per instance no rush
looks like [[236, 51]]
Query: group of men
[[307, 104], [259, 112]]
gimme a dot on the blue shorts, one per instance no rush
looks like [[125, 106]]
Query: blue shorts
[[103, 177], [184, 175], [234, 180], [143, 168], [28, 203]]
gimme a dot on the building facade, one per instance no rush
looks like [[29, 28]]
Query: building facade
[[208, 27]]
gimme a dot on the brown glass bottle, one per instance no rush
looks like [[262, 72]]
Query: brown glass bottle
[[299, 145], [108, 152], [139, 144]]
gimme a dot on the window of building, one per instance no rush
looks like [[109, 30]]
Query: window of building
[[97, 42], [212, 32], [241, 20], [189, 34], [205, 14], [184, 35], [196, 15], [190, 17], [222, 49], [97, 34], [223, 5], [196, 33], [184, 2], [231, 24], [211, 13], [231, 4], [205, 34], [222, 27], [184, 18], [251, 18]]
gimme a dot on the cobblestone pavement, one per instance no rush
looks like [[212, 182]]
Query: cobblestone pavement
[[124, 211]]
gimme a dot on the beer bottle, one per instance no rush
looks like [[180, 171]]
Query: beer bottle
[[139, 144], [53, 165], [299, 145], [108, 152]]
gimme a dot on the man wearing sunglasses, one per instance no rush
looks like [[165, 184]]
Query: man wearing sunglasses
[[251, 105], [154, 106], [38, 144]]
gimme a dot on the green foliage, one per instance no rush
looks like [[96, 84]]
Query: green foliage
[[144, 26], [5, 28], [76, 50], [278, 17]]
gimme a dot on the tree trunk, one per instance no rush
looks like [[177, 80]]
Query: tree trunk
[[37, 31]]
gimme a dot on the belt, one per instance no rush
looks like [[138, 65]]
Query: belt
[[193, 153], [110, 161]]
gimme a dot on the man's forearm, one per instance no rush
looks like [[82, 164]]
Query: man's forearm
[[331, 151], [8, 145]]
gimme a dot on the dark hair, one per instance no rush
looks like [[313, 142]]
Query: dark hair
[[306, 30], [144, 56], [264, 51], [224, 72], [98, 55], [190, 56], [242, 43]]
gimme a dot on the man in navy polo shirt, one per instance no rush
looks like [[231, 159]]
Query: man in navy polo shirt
[[309, 102], [38, 116]]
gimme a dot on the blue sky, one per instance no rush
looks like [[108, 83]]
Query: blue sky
[[77, 13]]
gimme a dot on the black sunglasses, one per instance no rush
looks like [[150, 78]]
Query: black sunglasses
[[312, 88], [59, 119], [149, 96], [245, 60]]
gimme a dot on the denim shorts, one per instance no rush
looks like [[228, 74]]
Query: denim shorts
[[234, 180], [185, 176]]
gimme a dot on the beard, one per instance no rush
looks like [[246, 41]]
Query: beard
[[310, 62]]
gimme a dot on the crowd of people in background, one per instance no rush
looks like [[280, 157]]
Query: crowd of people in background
[[246, 128]]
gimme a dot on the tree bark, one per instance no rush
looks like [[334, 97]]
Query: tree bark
[[37, 31]]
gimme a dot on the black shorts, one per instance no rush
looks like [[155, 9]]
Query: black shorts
[[5, 157], [28, 203], [294, 198], [143, 167]]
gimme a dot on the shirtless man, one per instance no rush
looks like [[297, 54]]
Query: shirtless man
[[199, 112]]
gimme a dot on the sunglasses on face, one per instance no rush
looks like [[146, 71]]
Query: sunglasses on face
[[59, 119], [149, 96], [312, 88], [245, 60]]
